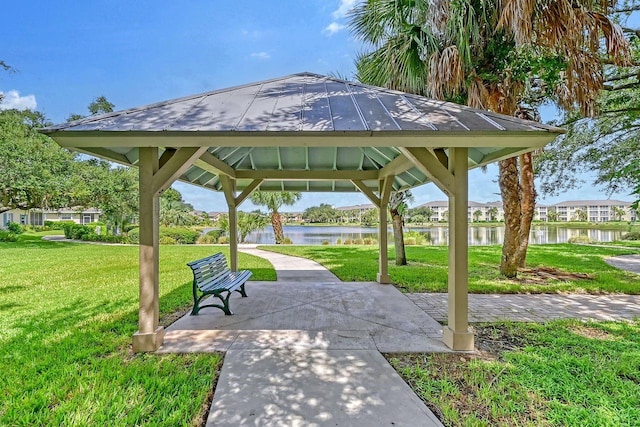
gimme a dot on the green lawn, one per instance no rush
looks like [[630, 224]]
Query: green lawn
[[427, 269], [564, 373], [68, 312]]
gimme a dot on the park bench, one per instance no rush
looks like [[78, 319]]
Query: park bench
[[211, 276]]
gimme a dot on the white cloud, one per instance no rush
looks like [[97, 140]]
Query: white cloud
[[333, 28], [338, 15], [344, 8], [13, 100], [260, 55]]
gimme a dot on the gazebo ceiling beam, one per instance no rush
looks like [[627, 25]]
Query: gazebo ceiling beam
[[431, 166], [175, 164], [442, 156], [107, 154], [247, 191], [476, 156], [367, 192], [219, 167], [396, 166], [310, 175]]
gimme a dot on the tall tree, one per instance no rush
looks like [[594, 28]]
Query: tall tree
[[35, 172], [273, 201], [398, 206], [174, 212], [607, 145], [113, 190], [323, 213], [491, 54], [100, 105]]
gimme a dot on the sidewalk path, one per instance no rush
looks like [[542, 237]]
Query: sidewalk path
[[293, 269], [625, 262]]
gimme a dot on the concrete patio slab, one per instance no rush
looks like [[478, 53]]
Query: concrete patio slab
[[305, 350], [363, 315], [280, 387]]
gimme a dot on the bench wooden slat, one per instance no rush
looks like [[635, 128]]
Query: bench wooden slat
[[211, 276], [227, 283]]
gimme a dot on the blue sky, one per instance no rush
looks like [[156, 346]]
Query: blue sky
[[66, 53]]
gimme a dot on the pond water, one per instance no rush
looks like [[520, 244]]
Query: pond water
[[478, 236]]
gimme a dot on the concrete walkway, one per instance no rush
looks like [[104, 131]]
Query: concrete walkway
[[305, 351], [625, 262]]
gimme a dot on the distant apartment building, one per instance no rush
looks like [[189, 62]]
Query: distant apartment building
[[594, 210], [39, 216], [490, 211], [572, 210]]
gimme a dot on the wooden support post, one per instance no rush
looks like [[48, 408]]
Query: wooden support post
[[383, 244], [150, 335], [456, 334], [154, 177], [228, 186]]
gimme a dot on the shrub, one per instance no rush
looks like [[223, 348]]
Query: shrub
[[412, 238], [57, 225], [325, 242], [210, 237], [579, 239], [15, 228], [7, 236], [179, 235], [348, 242], [367, 241], [223, 240], [634, 235], [166, 240], [182, 236], [76, 231], [134, 235], [338, 241], [358, 242], [287, 241]]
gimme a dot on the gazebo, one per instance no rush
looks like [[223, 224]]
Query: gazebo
[[304, 132]]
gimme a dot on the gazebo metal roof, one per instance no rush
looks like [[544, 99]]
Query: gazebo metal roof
[[305, 132]]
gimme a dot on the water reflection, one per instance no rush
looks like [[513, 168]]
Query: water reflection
[[478, 236]]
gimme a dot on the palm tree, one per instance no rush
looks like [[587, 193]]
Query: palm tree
[[553, 215], [273, 200], [493, 213], [398, 204], [618, 212], [476, 215], [487, 53], [580, 215]]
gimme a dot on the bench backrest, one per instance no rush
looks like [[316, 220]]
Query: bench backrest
[[209, 268]]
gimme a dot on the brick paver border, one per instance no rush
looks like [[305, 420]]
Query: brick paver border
[[534, 308]]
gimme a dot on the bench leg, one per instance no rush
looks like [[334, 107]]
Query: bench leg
[[225, 301], [196, 307], [241, 291]]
